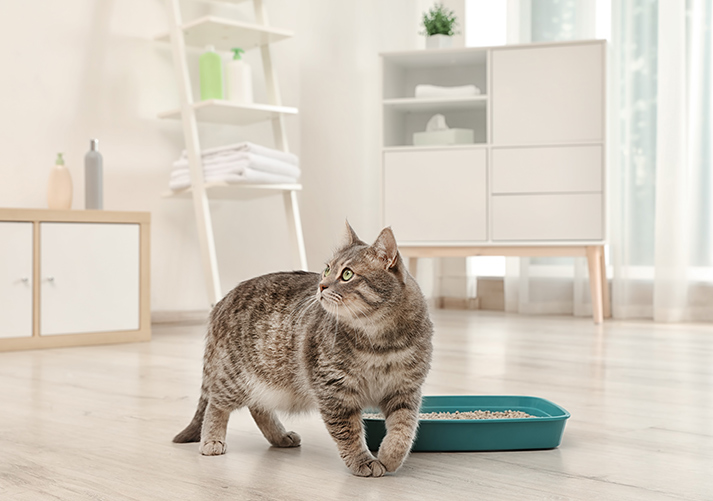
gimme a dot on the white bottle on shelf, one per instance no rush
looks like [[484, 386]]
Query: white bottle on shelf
[[93, 177], [239, 80]]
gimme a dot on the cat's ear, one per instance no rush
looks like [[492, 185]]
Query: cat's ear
[[386, 249], [351, 236]]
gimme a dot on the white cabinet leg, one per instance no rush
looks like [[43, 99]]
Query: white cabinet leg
[[413, 266]]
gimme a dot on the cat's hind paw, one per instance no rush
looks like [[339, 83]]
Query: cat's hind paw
[[212, 448], [369, 468]]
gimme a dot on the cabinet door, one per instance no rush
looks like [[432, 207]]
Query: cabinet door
[[436, 195], [15, 279], [89, 277], [548, 94]]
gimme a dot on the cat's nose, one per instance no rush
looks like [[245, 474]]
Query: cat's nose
[[322, 287]]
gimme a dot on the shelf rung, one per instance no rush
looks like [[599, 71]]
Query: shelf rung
[[225, 34], [225, 191], [431, 104], [226, 112]]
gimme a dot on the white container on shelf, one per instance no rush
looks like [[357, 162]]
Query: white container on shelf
[[239, 79]]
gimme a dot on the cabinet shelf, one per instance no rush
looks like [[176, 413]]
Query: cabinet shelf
[[436, 104], [226, 191], [226, 112], [442, 58], [225, 34], [439, 147]]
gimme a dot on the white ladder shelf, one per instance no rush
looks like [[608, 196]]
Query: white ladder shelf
[[225, 34]]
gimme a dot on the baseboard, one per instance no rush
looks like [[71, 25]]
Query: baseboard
[[179, 317]]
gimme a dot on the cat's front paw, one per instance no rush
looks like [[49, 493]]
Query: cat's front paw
[[289, 439], [390, 462], [369, 468], [212, 448]]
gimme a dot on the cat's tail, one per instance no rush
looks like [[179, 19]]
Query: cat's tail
[[192, 432]]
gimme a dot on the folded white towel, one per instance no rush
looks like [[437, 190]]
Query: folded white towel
[[181, 179], [246, 147], [241, 160], [424, 90]]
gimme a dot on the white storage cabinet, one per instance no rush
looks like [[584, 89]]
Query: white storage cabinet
[[534, 181], [72, 278]]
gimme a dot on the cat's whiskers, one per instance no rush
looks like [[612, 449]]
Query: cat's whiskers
[[336, 327], [310, 302], [302, 306], [303, 303]]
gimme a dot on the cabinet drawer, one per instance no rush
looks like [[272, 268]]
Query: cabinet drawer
[[547, 170], [548, 217], [436, 195]]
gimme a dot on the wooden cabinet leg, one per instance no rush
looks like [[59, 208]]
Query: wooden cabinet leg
[[606, 301], [595, 281], [413, 266]]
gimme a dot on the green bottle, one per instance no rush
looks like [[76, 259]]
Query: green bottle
[[211, 74]]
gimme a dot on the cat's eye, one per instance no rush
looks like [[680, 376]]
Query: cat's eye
[[347, 274], [326, 271]]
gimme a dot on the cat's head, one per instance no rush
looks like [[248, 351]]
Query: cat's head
[[361, 281]]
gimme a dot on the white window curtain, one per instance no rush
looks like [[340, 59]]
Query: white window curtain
[[660, 163]]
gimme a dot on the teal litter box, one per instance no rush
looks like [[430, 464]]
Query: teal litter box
[[544, 431]]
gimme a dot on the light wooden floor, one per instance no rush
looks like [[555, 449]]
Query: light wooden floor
[[96, 422]]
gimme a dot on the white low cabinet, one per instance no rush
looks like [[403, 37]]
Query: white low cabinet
[[73, 278]]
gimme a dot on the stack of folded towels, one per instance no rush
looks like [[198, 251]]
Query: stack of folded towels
[[239, 163], [424, 90]]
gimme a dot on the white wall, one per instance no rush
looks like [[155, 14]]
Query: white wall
[[339, 43], [79, 69]]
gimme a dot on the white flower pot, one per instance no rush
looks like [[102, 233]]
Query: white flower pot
[[438, 41]]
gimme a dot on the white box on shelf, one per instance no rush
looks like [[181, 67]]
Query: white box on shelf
[[443, 137]]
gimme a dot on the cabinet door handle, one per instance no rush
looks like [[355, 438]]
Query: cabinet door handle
[[25, 280], [50, 279]]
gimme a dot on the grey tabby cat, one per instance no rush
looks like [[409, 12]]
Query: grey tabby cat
[[356, 336]]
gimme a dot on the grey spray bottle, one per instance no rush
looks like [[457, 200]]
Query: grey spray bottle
[[93, 177]]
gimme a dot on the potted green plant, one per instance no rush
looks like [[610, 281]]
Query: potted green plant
[[439, 24]]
